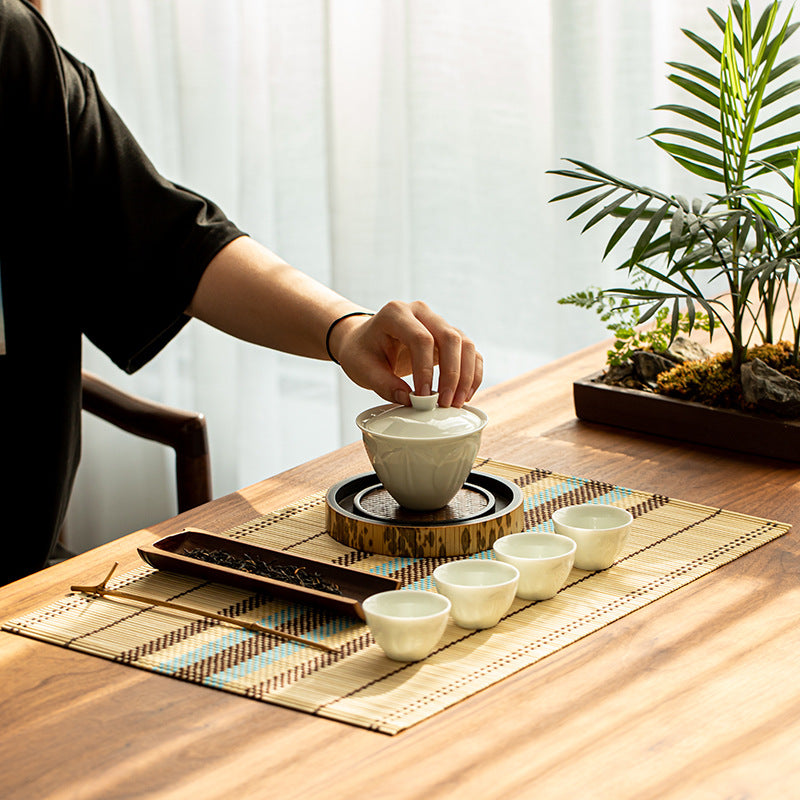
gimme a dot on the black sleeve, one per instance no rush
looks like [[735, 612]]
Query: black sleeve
[[147, 239], [135, 244]]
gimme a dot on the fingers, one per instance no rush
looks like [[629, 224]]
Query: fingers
[[426, 340], [405, 338], [460, 364], [470, 376]]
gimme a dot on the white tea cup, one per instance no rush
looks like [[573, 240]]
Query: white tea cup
[[480, 590], [544, 561], [407, 624], [599, 531]]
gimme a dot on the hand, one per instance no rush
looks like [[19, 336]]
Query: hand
[[403, 339]]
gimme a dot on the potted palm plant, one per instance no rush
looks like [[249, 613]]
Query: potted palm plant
[[727, 262]]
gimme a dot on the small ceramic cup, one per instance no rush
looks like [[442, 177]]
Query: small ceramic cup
[[599, 531], [406, 624], [543, 560], [480, 590]]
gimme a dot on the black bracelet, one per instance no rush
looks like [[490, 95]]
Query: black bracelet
[[335, 323]]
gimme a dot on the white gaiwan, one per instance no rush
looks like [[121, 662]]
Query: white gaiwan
[[422, 454]]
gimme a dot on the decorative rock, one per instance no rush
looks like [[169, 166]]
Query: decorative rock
[[770, 390], [617, 373], [649, 365], [685, 349]]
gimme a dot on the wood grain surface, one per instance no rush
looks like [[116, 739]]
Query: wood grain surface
[[694, 696]]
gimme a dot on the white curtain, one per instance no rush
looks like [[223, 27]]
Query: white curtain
[[393, 149]]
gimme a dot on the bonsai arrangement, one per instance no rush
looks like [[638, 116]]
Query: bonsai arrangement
[[727, 262]]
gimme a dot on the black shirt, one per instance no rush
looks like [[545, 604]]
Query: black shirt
[[92, 241]]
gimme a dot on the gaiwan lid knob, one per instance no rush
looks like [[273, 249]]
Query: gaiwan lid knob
[[424, 419]]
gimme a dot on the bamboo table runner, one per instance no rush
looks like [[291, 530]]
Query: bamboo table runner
[[672, 543]]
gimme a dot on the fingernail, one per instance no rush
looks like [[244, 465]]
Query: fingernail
[[426, 390], [459, 399], [445, 399], [401, 397]]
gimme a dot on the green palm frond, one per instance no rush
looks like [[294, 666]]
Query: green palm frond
[[696, 89], [693, 114], [690, 135], [786, 114], [746, 235]]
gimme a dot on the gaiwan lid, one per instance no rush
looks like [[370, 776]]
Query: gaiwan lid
[[422, 420]]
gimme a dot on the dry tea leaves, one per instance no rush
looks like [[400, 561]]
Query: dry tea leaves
[[299, 576]]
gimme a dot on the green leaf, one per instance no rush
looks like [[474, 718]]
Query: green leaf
[[791, 28], [780, 141], [737, 10], [675, 231], [703, 172], [695, 89], [730, 71], [592, 201], [718, 20], [710, 312], [796, 191], [691, 313], [632, 216], [747, 42], [676, 320], [783, 67], [703, 45], [741, 236], [647, 234], [780, 160], [786, 31], [693, 259], [606, 210], [571, 173], [657, 247], [695, 72], [758, 223], [693, 114], [764, 27], [690, 153], [778, 94], [573, 193], [787, 113], [661, 277], [605, 176], [755, 101], [694, 136], [651, 311], [731, 220]]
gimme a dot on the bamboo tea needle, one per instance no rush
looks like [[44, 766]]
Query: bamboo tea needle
[[100, 590]]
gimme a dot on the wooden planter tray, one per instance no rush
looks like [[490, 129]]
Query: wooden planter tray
[[685, 420]]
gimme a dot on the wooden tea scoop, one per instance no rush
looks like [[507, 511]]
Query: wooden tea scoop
[[100, 590]]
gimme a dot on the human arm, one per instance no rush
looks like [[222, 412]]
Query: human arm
[[252, 294]]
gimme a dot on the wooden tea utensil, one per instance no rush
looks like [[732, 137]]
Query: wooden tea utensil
[[100, 590]]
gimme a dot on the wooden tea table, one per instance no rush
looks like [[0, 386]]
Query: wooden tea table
[[695, 695]]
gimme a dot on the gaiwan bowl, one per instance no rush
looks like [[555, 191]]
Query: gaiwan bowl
[[422, 454]]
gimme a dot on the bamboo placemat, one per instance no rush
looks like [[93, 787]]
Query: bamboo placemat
[[671, 544]]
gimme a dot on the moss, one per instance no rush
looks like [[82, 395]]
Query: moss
[[713, 381]]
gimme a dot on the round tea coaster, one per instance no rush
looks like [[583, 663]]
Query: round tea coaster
[[471, 501], [385, 528]]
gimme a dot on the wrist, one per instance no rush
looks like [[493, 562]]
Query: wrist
[[338, 328]]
